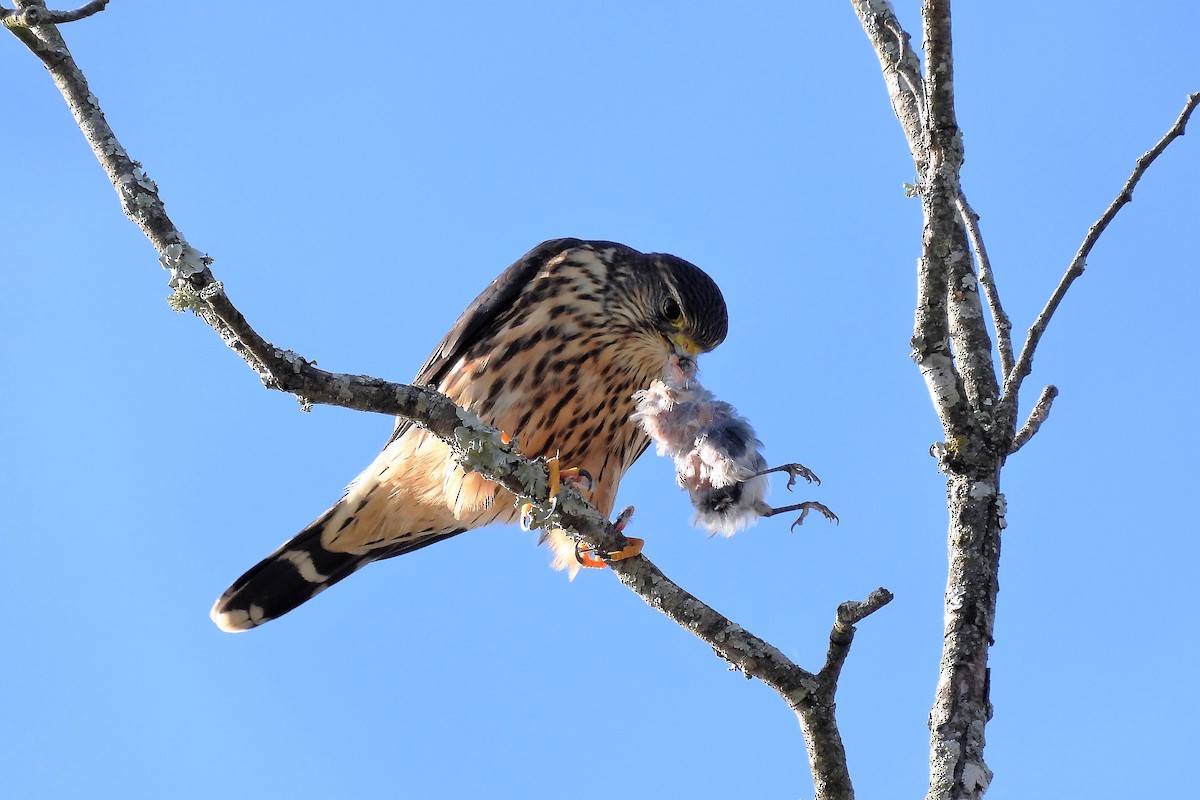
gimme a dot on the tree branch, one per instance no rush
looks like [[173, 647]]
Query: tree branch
[[476, 445], [945, 251], [1024, 364], [826, 755], [960, 709], [29, 14], [954, 352], [901, 73], [987, 281], [959, 377], [1041, 410], [841, 637]]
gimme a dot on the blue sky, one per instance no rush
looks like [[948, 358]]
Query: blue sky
[[359, 174]]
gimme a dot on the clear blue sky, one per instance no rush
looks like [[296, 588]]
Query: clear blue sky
[[359, 173]]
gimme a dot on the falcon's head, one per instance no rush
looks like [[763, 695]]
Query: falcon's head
[[659, 294]]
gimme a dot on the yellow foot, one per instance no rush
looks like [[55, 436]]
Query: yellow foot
[[558, 475], [589, 557], [555, 478]]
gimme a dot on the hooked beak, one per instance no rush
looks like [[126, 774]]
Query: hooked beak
[[683, 346]]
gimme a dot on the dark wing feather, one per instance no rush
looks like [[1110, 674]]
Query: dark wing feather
[[481, 316]]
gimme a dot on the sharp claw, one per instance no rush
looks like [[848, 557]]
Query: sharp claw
[[811, 505], [765, 510], [587, 556], [794, 471], [583, 555]]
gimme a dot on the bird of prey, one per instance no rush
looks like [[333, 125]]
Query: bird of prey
[[717, 455], [551, 353]]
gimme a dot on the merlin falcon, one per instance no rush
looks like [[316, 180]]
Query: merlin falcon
[[551, 353]]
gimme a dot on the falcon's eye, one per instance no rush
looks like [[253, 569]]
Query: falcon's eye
[[671, 311]]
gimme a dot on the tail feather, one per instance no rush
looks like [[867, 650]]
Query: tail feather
[[295, 573]]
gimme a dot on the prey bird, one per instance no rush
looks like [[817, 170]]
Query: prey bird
[[551, 353], [717, 455]]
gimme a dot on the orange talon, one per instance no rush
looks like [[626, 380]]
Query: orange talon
[[557, 474], [585, 558], [505, 439], [628, 551], [584, 554]]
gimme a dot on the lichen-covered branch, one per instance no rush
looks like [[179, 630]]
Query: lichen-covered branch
[[950, 345], [850, 614], [1024, 364], [946, 257], [477, 446], [826, 756], [961, 708], [901, 73], [987, 282], [1039, 414], [952, 348]]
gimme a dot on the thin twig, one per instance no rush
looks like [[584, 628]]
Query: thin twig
[[1041, 410], [1024, 364], [987, 281]]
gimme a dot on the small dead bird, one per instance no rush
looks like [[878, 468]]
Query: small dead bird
[[717, 455]]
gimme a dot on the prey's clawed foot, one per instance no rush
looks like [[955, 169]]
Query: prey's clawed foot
[[803, 508], [794, 471]]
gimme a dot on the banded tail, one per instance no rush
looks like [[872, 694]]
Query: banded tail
[[297, 572]]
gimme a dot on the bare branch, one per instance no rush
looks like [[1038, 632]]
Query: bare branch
[[1024, 364], [901, 73], [1041, 410], [946, 257], [841, 637], [826, 756], [987, 281], [29, 14]]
